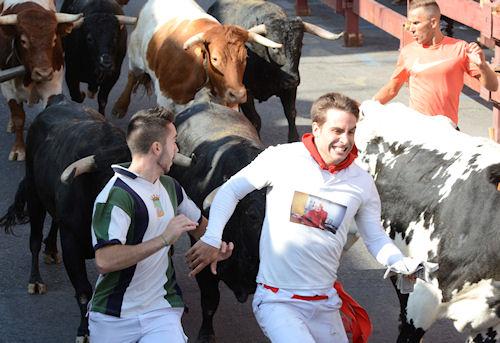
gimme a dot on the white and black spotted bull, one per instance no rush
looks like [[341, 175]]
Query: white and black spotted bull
[[441, 203]]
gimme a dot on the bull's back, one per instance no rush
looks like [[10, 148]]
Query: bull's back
[[246, 13], [210, 122], [155, 16]]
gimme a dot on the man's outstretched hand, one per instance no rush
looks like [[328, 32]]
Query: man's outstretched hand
[[202, 254]]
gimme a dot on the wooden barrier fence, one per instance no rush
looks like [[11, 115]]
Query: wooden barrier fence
[[483, 17]]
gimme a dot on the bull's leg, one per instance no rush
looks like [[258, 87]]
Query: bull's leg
[[251, 113], [288, 98], [210, 296], [74, 88], [74, 262], [10, 126], [18, 151], [419, 310], [37, 216], [102, 97], [121, 105], [51, 254]]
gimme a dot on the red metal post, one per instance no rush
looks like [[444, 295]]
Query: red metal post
[[302, 8], [352, 37]]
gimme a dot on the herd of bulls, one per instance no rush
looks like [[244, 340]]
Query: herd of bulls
[[440, 200]]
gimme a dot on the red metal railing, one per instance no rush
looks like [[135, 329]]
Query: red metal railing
[[481, 17]]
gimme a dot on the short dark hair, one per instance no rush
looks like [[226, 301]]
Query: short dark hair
[[146, 127], [333, 100], [432, 4]]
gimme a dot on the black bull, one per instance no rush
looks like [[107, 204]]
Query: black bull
[[60, 135], [94, 52], [270, 71], [221, 142]]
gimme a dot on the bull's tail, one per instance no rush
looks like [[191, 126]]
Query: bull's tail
[[16, 213], [144, 80]]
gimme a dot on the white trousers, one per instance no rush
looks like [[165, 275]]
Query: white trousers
[[152, 327], [287, 320]]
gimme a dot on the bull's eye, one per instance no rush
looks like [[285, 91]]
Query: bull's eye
[[90, 40], [215, 60], [24, 42]]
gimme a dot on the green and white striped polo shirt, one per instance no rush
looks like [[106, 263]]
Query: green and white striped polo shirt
[[131, 210]]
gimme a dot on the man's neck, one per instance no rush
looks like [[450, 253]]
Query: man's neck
[[436, 40], [145, 168]]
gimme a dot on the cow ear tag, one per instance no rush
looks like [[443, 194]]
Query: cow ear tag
[[498, 186]]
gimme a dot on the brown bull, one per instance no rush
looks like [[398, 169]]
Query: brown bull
[[30, 36], [181, 49]]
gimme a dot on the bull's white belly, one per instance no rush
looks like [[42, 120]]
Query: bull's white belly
[[14, 89]]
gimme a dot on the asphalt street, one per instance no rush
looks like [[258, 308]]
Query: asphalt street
[[325, 66]]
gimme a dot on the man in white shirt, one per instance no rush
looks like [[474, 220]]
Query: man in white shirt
[[137, 217], [295, 300]]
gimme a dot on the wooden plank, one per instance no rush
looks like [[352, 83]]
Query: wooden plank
[[469, 13], [302, 8], [380, 16]]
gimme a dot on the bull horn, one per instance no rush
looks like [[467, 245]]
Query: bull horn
[[83, 165], [9, 19], [318, 31], [255, 37], [259, 29], [197, 38], [78, 23], [182, 160], [209, 198], [67, 18], [126, 20]]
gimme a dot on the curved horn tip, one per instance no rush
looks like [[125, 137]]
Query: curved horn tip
[[182, 160], [126, 20], [254, 37], [9, 19], [67, 17], [68, 174]]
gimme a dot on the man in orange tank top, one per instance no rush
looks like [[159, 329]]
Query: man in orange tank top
[[434, 65]]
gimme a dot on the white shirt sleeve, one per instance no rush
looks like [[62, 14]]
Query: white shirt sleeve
[[375, 238], [256, 175], [188, 208]]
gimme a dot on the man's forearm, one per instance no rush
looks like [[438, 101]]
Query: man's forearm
[[385, 94], [117, 257], [200, 230], [488, 77]]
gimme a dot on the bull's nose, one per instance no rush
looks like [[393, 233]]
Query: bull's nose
[[105, 62], [238, 96], [42, 74]]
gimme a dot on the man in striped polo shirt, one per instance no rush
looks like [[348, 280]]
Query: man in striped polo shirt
[[137, 216]]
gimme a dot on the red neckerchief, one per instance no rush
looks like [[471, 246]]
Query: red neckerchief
[[308, 140]]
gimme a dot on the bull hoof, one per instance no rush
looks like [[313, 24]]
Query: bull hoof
[[17, 155], [10, 126], [91, 94], [37, 288], [82, 339], [118, 111], [52, 258], [209, 338], [80, 98]]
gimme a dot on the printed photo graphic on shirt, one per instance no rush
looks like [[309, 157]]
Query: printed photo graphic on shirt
[[157, 204], [316, 212]]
